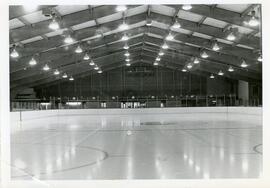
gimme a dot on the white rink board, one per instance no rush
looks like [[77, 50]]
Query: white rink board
[[30, 115]]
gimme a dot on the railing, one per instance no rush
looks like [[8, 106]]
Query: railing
[[133, 102]]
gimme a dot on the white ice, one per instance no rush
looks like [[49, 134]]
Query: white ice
[[138, 146]]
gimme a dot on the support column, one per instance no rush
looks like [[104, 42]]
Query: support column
[[243, 92]]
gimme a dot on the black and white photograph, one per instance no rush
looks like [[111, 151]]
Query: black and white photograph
[[134, 92]]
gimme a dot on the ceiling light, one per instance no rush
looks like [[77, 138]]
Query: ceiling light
[[65, 75], [127, 54], [161, 53], [186, 7], [46, 67], [125, 37], [230, 69], [155, 63], [244, 64], [189, 66], [220, 73], [14, 53], [216, 47], [165, 46], [196, 61], [71, 78], [100, 71], [253, 21], [126, 47], [184, 70], [231, 36], [86, 57], [32, 62], [123, 26], [78, 50], [212, 76], [92, 63], [148, 22], [260, 58], [127, 60], [176, 25], [56, 72], [121, 8], [68, 39], [204, 55], [96, 68], [54, 25], [158, 59], [128, 64], [170, 37]]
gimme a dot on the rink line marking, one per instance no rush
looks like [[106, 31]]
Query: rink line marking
[[83, 139], [105, 156], [46, 138]]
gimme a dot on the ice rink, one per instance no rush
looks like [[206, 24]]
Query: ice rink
[[169, 143]]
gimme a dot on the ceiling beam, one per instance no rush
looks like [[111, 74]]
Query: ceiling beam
[[210, 31], [67, 63], [17, 11], [205, 43], [222, 14], [67, 21]]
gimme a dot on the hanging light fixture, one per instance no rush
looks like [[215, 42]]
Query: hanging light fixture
[[186, 7], [56, 72], [170, 37], [161, 53], [260, 58], [68, 40], [92, 63], [126, 47], [212, 76], [189, 66], [184, 70], [86, 57], [46, 67], [220, 73], [215, 46], [165, 46], [127, 54], [127, 60], [155, 63], [100, 71], [176, 25], [253, 21], [65, 75], [96, 67], [71, 78], [54, 25], [158, 59], [196, 61], [148, 22], [230, 69], [231, 36], [204, 55], [244, 64], [32, 62], [121, 8], [14, 53], [125, 37], [78, 50], [123, 26], [128, 64]]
